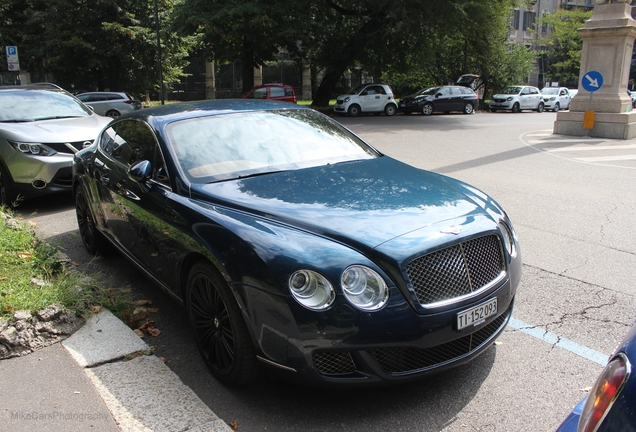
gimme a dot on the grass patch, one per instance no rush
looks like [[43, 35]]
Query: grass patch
[[33, 275]]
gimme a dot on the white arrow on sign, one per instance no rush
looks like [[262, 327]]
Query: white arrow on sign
[[593, 82]]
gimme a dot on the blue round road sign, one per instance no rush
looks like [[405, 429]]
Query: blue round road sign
[[592, 81]]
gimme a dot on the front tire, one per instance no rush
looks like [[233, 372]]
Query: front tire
[[516, 108], [219, 329], [556, 107], [469, 109], [7, 196], [427, 109], [354, 110], [390, 110], [93, 240]]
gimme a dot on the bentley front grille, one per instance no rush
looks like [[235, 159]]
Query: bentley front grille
[[406, 359], [456, 270]]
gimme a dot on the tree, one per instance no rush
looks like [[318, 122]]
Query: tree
[[564, 44], [252, 31], [94, 45]]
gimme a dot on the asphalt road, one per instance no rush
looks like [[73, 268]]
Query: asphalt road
[[572, 201]]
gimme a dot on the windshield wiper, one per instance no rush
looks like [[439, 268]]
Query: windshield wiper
[[57, 117], [17, 121]]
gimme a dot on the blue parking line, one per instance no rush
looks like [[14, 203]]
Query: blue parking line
[[561, 342]]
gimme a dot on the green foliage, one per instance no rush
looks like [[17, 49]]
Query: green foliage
[[564, 44], [95, 45], [33, 276]]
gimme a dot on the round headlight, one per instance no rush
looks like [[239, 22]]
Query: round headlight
[[311, 289], [508, 238], [364, 288]]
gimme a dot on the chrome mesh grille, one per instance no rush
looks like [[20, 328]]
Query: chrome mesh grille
[[457, 270], [334, 363], [405, 359]]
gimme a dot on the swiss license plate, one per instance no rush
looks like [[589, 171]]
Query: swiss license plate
[[477, 315]]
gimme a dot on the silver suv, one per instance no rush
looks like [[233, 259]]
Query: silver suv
[[41, 127], [367, 98], [110, 104], [556, 98], [517, 98]]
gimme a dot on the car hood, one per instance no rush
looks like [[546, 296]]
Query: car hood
[[56, 130], [504, 95], [368, 202]]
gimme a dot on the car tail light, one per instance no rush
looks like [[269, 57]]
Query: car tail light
[[604, 392], [128, 101]]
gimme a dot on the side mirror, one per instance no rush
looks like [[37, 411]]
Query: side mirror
[[141, 171]]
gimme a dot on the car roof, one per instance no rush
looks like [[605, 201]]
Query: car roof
[[184, 110], [273, 85], [33, 86]]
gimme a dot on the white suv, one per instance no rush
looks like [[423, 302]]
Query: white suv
[[367, 98], [517, 98], [556, 98]]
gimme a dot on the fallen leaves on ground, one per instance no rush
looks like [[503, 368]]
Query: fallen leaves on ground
[[149, 327], [234, 424]]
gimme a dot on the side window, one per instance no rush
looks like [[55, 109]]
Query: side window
[[564, 92], [444, 91], [525, 91], [289, 92], [114, 97], [260, 93], [534, 91], [276, 92], [139, 139]]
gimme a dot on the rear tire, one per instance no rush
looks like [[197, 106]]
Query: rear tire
[[113, 114], [219, 329], [540, 107], [469, 109], [390, 110]]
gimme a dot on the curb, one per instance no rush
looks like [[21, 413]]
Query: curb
[[141, 392]]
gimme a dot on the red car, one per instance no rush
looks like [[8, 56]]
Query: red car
[[278, 92]]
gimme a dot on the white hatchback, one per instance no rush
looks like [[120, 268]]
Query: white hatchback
[[367, 98], [556, 98], [517, 98]]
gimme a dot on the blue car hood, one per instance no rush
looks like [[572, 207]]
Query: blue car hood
[[368, 202]]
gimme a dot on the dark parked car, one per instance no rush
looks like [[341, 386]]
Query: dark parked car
[[297, 247], [611, 403], [41, 126], [444, 99]]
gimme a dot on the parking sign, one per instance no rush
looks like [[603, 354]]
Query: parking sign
[[13, 64]]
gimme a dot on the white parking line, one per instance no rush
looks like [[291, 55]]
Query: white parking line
[[561, 342], [575, 149], [607, 158]]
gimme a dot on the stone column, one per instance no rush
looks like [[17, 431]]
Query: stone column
[[210, 81], [608, 40], [258, 76], [306, 82]]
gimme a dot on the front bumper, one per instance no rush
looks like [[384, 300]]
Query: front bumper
[[40, 175], [350, 348]]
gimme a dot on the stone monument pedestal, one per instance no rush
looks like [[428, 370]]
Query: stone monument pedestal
[[608, 41]]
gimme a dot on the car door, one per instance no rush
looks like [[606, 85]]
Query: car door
[[373, 98], [134, 210], [444, 99], [564, 98]]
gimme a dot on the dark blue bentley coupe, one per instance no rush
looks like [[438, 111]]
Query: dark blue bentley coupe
[[296, 247]]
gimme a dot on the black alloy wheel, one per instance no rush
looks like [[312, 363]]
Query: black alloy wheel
[[220, 332], [540, 107], [93, 240]]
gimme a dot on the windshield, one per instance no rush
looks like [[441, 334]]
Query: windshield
[[33, 105], [231, 146], [428, 91], [550, 91], [511, 90]]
